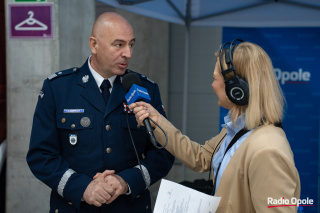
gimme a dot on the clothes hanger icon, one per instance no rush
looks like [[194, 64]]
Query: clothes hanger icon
[[31, 21]]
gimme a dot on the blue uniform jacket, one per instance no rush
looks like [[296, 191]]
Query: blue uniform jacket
[[74, 136]]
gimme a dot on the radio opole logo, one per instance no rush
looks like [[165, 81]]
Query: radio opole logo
[[284, 202], [296, 77]]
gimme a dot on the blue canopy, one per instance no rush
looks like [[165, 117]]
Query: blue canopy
[[230, 13]]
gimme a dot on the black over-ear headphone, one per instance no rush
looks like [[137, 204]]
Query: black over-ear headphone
[[237, 89]]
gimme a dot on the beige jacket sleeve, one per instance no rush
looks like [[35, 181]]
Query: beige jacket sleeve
[[197, 157]]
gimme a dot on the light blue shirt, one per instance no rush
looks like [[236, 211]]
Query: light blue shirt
[[231, 132]]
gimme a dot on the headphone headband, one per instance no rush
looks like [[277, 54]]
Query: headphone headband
[[229, 57], [220, 57], [232, 48]]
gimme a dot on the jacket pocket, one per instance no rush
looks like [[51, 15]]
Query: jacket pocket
[[76, 132]]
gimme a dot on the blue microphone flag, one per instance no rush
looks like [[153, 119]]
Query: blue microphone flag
[[137, 93]]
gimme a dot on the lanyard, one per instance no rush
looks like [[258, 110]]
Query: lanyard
[[233, 141]]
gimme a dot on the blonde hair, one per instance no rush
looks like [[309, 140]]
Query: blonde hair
[[266, 100]]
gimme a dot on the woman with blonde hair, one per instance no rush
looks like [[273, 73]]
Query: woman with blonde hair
[[251, 159]]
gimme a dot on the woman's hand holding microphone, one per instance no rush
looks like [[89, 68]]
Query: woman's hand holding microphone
[[142, 110]]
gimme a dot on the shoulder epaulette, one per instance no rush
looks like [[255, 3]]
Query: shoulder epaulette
[[62, 73], [142, 76]]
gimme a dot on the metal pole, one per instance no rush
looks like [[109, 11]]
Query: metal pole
[[186, 78]]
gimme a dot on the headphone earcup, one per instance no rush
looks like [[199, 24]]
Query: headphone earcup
[[237, 91]]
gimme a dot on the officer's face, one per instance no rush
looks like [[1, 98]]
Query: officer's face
[[113, 50], [219, 86]]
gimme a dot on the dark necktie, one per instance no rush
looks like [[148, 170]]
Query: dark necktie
[[105, 90]]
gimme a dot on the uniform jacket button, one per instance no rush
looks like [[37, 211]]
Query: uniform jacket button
[[70, 203], [147, 207], [56, 211], [109, 150], [108, 127]]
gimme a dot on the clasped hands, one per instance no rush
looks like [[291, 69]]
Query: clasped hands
[[107, 186], [104, 188]]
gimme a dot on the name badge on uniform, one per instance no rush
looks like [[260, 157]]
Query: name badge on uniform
[[73, 111], [73, 138]]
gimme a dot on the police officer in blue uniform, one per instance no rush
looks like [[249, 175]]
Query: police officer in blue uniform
[[76, 134]]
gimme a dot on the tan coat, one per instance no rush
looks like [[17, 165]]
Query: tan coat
[[262, 167]]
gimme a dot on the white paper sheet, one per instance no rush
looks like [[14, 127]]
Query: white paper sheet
[[176, 198]]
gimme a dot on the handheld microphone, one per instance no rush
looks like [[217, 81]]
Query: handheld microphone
[[135, 92]]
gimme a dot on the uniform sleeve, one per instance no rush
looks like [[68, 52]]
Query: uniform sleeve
[[272, 175], [157, 162], [44, 155]]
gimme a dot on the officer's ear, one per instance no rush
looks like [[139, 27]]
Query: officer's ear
[[93, 44]]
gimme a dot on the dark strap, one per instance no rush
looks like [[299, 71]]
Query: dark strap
[[235, 138], [233, 141], [214, 152]]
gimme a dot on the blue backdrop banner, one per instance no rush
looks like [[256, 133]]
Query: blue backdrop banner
[[295, 53]]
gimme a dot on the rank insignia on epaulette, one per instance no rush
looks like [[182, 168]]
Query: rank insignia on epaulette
[[141, 76], [62, 73], [126, 108], [52, 76], [150, 80]]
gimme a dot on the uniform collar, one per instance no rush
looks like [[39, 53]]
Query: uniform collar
[[98, 78]]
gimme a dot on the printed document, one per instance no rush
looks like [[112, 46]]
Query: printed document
[[176, 198]]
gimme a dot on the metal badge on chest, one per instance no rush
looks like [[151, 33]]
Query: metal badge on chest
[[73, 138], [85, 121]]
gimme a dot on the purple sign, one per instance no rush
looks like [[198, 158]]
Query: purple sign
[[31, 20]]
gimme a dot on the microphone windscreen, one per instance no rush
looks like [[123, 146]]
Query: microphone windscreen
[[129, 79]]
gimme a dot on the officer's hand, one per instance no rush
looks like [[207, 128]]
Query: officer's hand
[[118, 184], [98, 191], [143, 110]]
